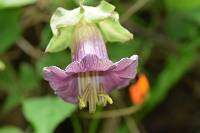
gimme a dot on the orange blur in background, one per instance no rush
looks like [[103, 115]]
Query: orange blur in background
[[139, 90]]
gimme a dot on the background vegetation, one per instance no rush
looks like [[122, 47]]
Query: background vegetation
[[166, 37]]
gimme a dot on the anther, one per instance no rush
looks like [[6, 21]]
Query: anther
[[103, 97]]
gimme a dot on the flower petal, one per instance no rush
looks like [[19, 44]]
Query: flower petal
[[62, 83], [126, 67], [70, 92], [124, 71], [89, 63]]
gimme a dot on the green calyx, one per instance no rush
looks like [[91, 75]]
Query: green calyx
[[63, 22]]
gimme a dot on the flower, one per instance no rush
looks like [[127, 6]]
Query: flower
[[139, 90], [91, 75]]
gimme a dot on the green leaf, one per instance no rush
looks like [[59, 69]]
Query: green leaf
[[7, 79], [15, 3], [12, 101], [10, 129], [114, 32], [61, 41], [46, 113], [10, 28], [10, 84], [28, 77]]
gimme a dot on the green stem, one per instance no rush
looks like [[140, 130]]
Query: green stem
[[76, 124], [94, 123]]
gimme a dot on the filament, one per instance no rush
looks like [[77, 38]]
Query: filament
[[91, 91]]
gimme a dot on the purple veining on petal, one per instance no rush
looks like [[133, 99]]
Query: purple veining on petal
[[70, 92], [88, 40], [64, 84], [56, 75], [89, 63], [120, 76]]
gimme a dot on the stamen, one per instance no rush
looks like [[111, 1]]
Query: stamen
[[86, 94], [82, 104], [83, 99], [91, 91], [95, 85], [87, 86], [107, 98], [98, 88], [83, 86], [92, 102], [86, 79], [103, 97]]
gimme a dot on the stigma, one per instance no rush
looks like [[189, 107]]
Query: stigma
[[91, 91]]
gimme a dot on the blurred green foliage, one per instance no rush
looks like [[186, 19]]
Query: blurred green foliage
[[15, 3], [46, 113], [172, 25], [10, 129], [10, 28]]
